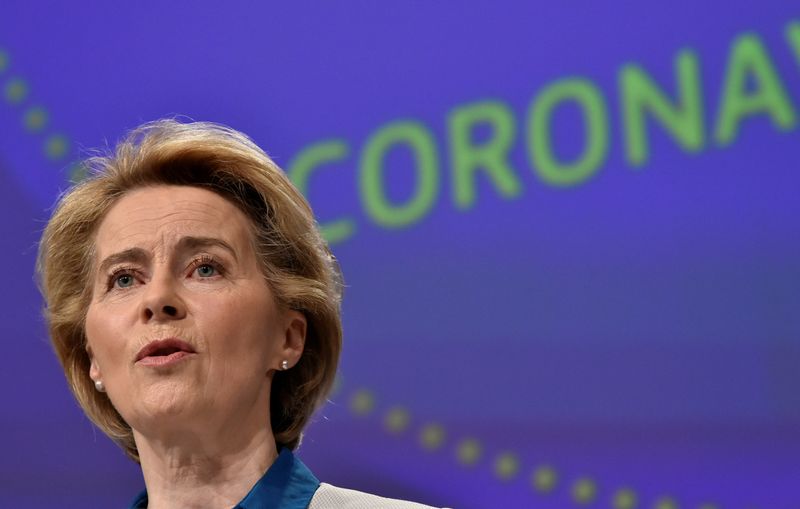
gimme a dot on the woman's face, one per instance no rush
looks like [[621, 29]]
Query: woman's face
[[183, 329]]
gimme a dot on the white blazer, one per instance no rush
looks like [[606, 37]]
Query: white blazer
[[331, 497]]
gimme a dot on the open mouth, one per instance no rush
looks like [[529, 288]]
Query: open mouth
[[164, 351]]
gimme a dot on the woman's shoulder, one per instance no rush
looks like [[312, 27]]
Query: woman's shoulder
[[330, 497]]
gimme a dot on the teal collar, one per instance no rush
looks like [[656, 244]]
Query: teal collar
[[288, 484]]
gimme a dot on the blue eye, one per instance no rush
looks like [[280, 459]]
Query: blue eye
[[206, 270], [124, 281]]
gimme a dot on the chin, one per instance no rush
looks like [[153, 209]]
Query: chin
[[163, 399]]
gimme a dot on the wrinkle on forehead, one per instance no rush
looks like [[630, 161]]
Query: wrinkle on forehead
[[155, 218]]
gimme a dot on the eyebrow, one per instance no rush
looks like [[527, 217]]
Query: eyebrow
[[134, 254], [193, 243], [139, 255]]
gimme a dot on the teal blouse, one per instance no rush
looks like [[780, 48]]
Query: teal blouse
[[288, 484]]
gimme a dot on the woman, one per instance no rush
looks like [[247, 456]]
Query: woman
[[202, 328]]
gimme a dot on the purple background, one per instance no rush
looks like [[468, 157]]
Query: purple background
[[639, 329]]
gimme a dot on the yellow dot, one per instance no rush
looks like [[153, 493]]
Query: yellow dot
[[56, 146], [708, 506], [362, 402], [665, 503], [35, 119], [397, 420], [3, 60], [16, 90], [584, 491], [624, 499], [544, 479], [432, 436], [469, 451], [506, 466], [77, 172], [337, 385]]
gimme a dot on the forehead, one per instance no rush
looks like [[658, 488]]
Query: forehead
[[158, 216]]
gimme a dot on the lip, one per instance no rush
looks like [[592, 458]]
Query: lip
[[163, 352]]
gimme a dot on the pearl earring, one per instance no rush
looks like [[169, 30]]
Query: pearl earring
[[100, 386], [284, 364]]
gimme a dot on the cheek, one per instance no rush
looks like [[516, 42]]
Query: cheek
[[243, 331], [103, 333]]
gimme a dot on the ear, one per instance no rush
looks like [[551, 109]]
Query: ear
[[294, 337], [94, 368]]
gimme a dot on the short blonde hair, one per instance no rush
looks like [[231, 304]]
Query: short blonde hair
[[295, 260]]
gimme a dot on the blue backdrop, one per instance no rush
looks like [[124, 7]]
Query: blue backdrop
[[568, 231]]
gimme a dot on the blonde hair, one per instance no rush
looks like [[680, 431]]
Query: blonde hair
[[295, 260]]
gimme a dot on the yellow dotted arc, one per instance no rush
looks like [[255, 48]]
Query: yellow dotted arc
[[35, 118], [544, 479]]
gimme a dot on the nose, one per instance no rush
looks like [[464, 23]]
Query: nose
[[162, 301]]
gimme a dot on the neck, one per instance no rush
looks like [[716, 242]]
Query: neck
[[200, 472]]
